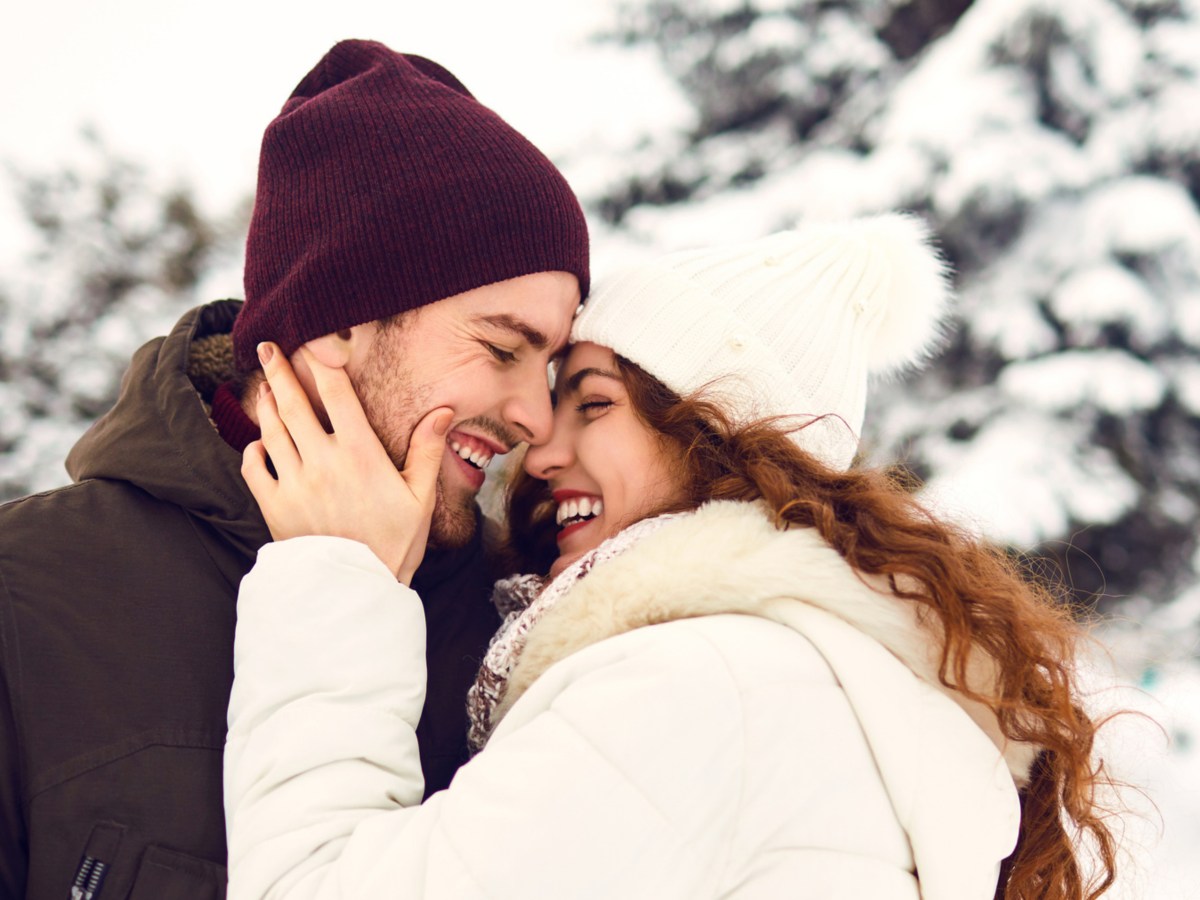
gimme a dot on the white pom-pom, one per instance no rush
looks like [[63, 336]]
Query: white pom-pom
[[912, 291]]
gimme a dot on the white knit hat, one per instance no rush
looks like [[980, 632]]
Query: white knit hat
[[787, 325]]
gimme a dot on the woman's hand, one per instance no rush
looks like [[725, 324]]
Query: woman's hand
[[341, 484]]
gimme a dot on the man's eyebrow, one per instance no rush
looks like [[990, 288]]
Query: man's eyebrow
[[527, 332], [576, 378]]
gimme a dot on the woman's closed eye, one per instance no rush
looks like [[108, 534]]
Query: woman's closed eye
[[593, 407]]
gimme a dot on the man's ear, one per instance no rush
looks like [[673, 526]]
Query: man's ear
[[333, 350], [337, 349]]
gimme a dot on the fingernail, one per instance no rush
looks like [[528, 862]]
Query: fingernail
[[263, 390], [265, 352], [441, 426]]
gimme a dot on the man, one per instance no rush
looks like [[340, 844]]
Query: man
[[401, 231]]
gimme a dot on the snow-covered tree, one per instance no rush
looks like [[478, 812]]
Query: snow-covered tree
[[114, 259], [1055, 148]]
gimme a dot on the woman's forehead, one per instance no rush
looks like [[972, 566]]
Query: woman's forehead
[[580, 357], [585, 353]]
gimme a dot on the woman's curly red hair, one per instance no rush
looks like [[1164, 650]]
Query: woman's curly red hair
[[981, 597]]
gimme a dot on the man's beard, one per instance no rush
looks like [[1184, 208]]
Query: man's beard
[[394, 403], [454, 520]]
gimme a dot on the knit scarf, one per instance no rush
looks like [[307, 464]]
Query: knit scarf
[[523, 600]]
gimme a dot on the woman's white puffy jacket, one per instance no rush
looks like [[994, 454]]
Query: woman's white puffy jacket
[[726, 710]]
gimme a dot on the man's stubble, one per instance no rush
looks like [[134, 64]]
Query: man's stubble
[[394, 401]]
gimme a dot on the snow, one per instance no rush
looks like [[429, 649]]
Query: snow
[[42, 452], [1149, 668], [1004, 486], [1005, 313], [1187, 317], [1185, 381], [945, 112], [1092, 297], [1049, 142], [1111, 380], [839, 39], [1051, 163], [1141, 216]]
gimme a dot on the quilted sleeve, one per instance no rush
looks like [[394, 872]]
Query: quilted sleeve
[[593, 795]]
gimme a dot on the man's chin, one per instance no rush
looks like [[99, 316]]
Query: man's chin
[[454, 520]]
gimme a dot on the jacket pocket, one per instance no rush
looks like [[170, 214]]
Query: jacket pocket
[[169, 875]]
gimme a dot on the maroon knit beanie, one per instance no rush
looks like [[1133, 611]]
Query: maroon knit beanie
[[384, 185]]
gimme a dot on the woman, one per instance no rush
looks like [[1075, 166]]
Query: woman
[[752, 670]]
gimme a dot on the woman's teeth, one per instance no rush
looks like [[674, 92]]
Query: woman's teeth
[[478, 458], [578, 510]]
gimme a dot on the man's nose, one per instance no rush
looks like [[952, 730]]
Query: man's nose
[[529, 412]]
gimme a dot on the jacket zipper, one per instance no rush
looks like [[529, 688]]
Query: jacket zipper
[[89, 879]]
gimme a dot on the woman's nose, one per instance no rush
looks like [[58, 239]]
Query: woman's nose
[[546, 460]]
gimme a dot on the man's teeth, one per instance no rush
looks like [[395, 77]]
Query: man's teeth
[[477, 458], [579, 508]]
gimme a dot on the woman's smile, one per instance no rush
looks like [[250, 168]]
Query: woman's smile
[[576, 510], [606, 468]]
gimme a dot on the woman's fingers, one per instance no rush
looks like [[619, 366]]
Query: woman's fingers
[[276, 439], [291, 402], [426, 448], [343, 483], [424, 460], [339, 399], [258, 478]]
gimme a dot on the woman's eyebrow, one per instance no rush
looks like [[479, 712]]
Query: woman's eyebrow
[[572, 385]]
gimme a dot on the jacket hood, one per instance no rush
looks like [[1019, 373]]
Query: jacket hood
[[159, 437], [951, 774]]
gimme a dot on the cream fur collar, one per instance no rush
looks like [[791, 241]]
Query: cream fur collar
[[729, 558]]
